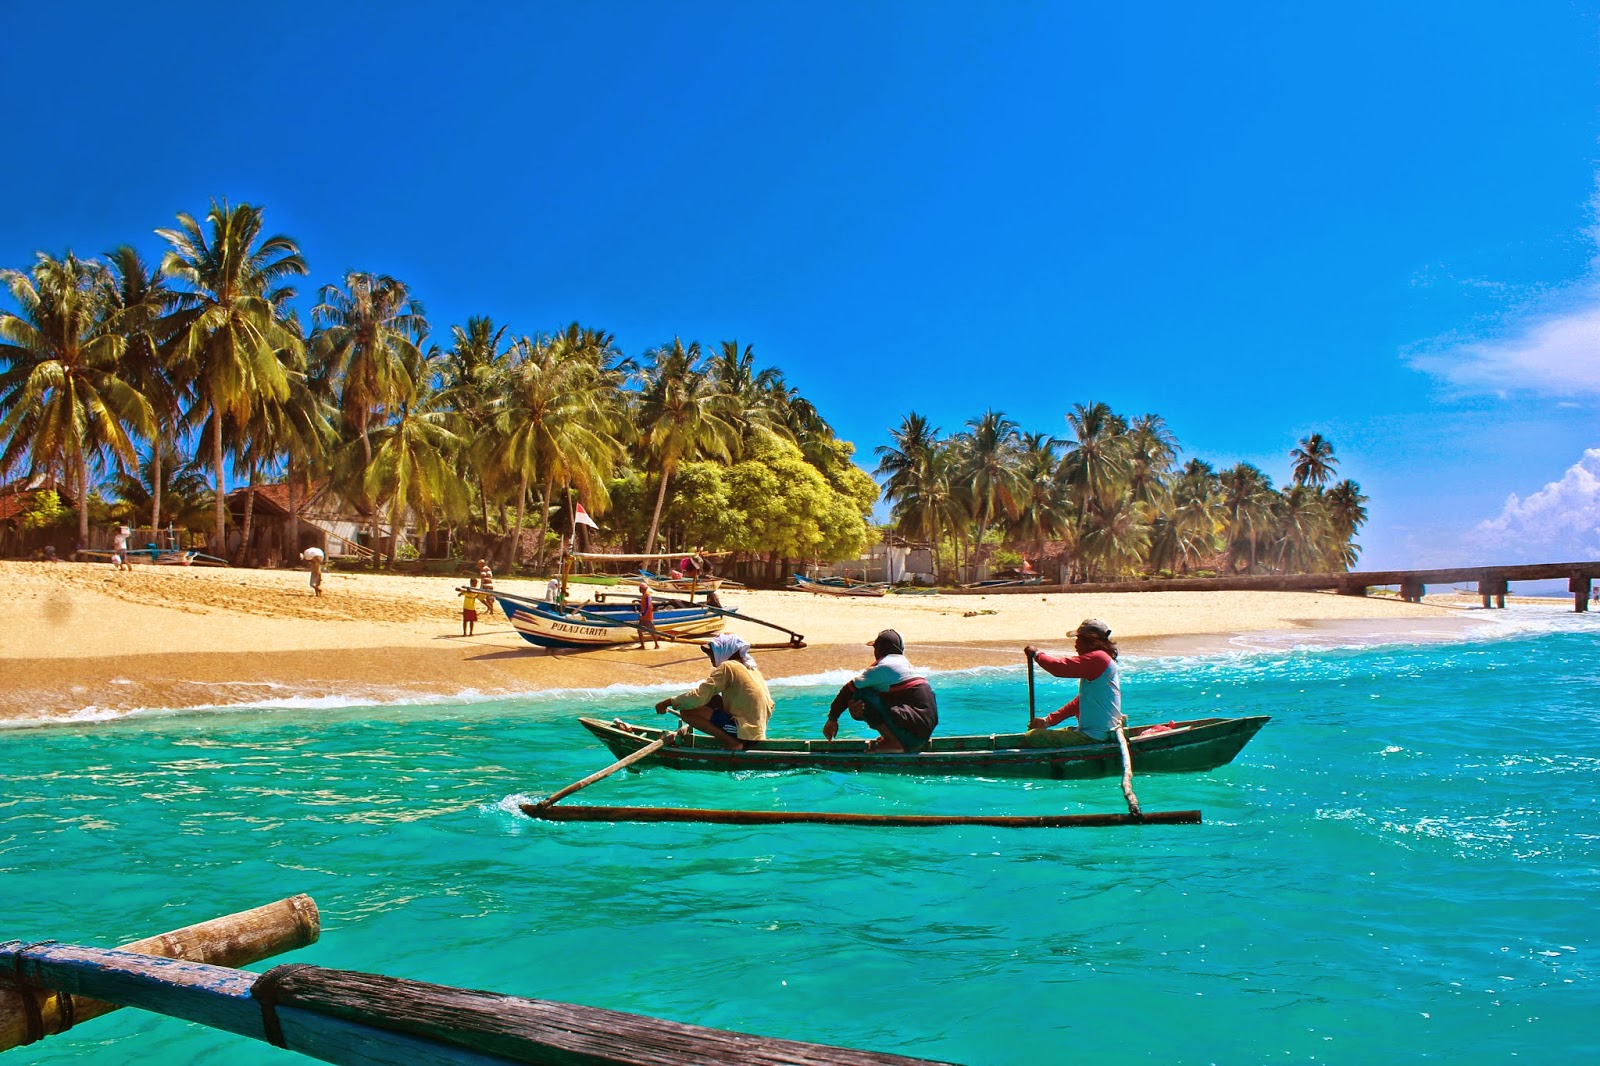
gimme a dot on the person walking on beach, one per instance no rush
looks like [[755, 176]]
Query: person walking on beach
[[733, 703], [119, 550], [1098, 705], [647, 615], [314, 556], [486, 582], [891, 697]]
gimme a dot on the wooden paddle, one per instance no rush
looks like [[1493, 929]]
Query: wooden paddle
[[1031, 715], [627, 760]]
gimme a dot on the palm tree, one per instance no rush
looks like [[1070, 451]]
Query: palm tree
[[989, 448], [680, 417], [554, 425], [228, 327], [1097, 462], [474, 384], [410, 469], [1118, 539], [1045, 512], [914, 441], [1247, 501], [1197, 515], [747, 396], [369, 335], [1347, 512], [1300, 524], [1314, 461], [1152, 449], [63, 398], [140, 300], [182, 486]]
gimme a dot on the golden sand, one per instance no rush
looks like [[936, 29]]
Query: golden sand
[[79, 635]]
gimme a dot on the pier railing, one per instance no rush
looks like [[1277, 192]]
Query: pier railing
[[1491, 582]]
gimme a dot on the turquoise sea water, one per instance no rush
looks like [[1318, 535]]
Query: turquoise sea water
[[1403, 866]]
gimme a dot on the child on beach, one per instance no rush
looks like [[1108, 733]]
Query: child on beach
[[469, 609]]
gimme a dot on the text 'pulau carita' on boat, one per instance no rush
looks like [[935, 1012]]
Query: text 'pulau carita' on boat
[[342, 1016], [610, 619]]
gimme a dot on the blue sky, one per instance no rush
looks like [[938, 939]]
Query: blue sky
[[1376, 221]]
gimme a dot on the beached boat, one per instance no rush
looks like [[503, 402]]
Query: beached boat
[[689, 585], [1187, 747], [605, 625], [158, 556], [836, 587]]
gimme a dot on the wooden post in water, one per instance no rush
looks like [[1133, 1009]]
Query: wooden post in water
[[1580, 588], [232, 940]]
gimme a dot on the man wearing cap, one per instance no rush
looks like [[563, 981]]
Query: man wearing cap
[[1098, 706], [733, 704], [891, 697]]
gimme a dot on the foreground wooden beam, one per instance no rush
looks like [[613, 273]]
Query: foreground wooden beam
[[345, 1017], [723, 817], [232, 940]]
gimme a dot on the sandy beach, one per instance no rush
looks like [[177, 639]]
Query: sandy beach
[[81, 640]]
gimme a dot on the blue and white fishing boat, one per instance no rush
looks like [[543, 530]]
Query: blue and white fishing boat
[[554, 624]]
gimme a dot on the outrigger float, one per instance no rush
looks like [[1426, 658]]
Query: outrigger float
[[342, 1016]]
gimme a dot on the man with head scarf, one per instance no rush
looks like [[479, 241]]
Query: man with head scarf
[[733, 703], [891, 697]]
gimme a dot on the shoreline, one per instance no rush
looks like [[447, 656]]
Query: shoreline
[[84, 644]]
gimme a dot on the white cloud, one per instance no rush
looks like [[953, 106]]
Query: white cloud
[[1559, 523], [1557, 354]]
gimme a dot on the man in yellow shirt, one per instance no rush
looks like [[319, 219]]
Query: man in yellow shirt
[[733, 703]]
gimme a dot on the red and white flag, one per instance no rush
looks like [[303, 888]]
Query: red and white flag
[[580, 517]]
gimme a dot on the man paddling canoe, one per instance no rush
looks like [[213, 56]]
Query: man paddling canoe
[[1098, 705]]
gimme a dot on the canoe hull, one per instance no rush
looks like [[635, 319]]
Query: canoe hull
[[822, 588], [601, 625], [1194, 747]]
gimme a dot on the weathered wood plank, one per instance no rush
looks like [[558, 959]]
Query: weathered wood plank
[[541, 1031], [232, 940], [586, 813]]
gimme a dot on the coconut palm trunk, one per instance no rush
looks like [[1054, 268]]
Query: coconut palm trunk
[[655, 517], [249, 519], [220, 530], [155, 485], [516, 533], [83, 499]]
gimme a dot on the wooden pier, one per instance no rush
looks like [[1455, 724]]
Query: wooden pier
[[1492, 582]]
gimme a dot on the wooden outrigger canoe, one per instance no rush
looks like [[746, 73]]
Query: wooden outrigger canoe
[[691, 585], [1190, 747], [604, 625], [829, 588]]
